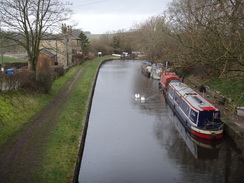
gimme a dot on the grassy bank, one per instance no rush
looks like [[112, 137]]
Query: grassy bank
[[60, 153], [232, 88], [17, 107], [9, 59], [57, 155], [227, 91]]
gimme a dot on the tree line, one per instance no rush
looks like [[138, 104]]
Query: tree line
[[190, 34]]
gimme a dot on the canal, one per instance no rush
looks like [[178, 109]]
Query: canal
[[134, 141]]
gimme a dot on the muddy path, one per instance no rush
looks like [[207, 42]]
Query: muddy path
[[21, 154]]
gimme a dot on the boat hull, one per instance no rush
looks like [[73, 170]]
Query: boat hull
[[146, 70], [155, 76], [156, 73], [213, 134], [165, 79]]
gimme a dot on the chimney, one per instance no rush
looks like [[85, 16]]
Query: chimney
[[69, 31], [64, 29]]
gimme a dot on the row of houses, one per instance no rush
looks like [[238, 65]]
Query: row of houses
[[59, 49]]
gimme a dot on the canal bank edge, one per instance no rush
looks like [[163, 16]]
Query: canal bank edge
[[236, 133], [85, 121], [234, 124], [232, 129]]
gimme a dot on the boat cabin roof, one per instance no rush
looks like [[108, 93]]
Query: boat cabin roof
[[147, 63], [192, 97], [169, 75]]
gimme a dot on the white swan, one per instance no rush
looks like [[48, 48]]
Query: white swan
[[143, 98], [137, 95]]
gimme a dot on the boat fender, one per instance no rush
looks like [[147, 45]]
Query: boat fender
[[214, 135]]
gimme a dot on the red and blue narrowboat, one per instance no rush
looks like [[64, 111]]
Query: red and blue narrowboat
[[200, 117], [165, 78]]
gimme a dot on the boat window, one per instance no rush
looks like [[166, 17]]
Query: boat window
[[193, 116], [209, 118], [191, 94]]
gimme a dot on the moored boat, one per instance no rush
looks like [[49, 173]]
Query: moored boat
[[146, 68], [201, 148], [166, 77], [156, 70], [201, 117]]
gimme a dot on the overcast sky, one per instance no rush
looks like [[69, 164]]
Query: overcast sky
[[101, 16]]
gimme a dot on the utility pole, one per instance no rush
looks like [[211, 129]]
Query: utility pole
[[1, 43], [2, 69]]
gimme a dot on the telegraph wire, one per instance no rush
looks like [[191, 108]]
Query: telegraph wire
[[87, 4]]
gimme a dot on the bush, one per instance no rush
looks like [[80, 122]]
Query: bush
[[58, 71], [30, 82], [44, 81], [13, 81], [40, 82], [91, 56]]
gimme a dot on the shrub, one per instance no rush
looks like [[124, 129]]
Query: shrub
[[44, 81], [13, 81], [91, 56], [29, 82], [58, 71]]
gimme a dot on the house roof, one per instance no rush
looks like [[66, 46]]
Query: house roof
[[58, 37], [48, 52]]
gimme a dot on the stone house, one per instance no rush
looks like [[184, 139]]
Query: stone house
[[65, 46]]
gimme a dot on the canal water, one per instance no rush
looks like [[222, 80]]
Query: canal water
[[134, 141]]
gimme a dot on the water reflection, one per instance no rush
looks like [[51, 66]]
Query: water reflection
[[200, 148], [133, 141]]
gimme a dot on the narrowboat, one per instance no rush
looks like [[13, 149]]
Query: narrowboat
[[165, 78], [200, 148], [156, 70], [146, 68], [201, 117]]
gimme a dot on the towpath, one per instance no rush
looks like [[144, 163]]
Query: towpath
[[21, 154]]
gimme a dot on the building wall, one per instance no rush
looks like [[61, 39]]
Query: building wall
[[44, 62], [64, 46]]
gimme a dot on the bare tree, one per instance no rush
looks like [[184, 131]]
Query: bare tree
[[153, 38], [211, 32], [25, 22], [102, 44]]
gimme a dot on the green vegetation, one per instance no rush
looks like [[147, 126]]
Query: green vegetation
[[85, 43], [93, 36], [232, 88], [16, 107], [57, 156], [9, 59]]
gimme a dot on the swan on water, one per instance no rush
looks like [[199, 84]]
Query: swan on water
[[143, 98], [137, 95]]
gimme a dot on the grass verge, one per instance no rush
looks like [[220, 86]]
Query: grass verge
[[54, 146], [58, 160], [232, 88], [17, 107], [9, 59]]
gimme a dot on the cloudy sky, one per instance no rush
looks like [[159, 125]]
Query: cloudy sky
[[101, 16]]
